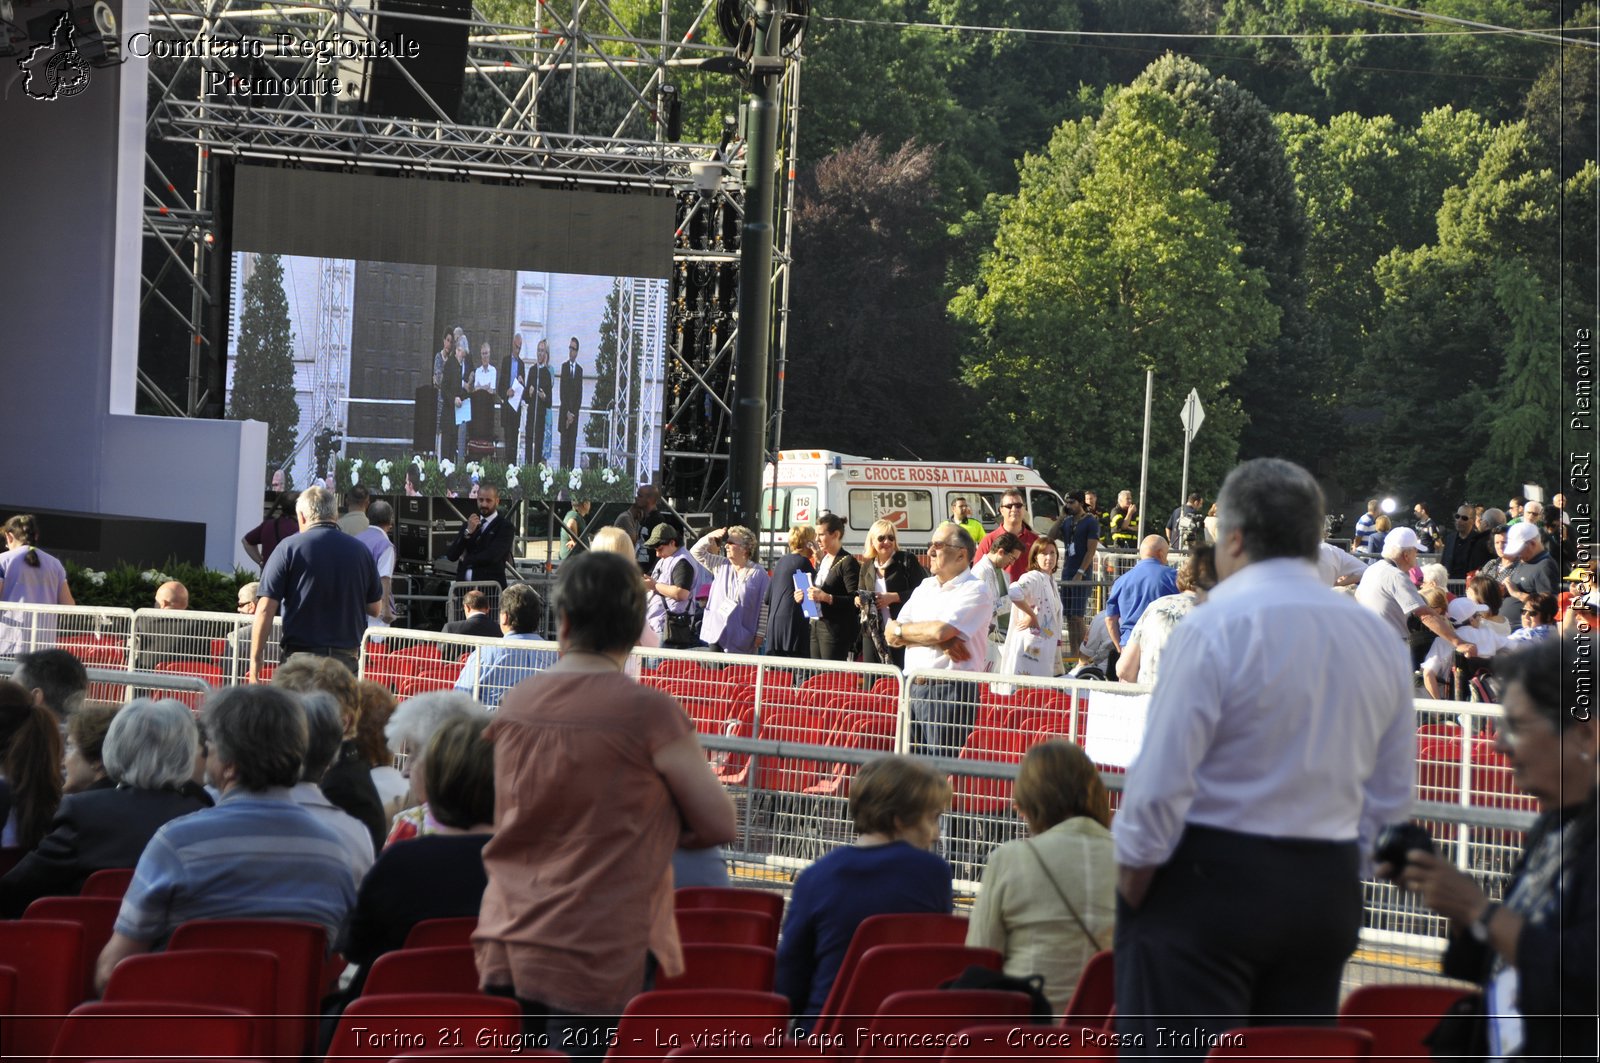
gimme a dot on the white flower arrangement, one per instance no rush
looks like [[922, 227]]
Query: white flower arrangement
[[474, 469], [513, 477], [575, 479], [95, 577], [447, 466], [384, 466], [150, 575], [609, 475], [383, 483]]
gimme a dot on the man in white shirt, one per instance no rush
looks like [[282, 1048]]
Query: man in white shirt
[[1386, 589], [1339, 568], [1278, 742], [944, 626]]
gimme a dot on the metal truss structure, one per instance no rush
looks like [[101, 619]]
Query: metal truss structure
[[575, 98]]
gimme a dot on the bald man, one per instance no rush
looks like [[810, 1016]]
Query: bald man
[[172, 595], [1132, 593]]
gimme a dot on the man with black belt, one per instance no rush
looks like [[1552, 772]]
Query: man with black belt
[[326, 583], [1278, 743], [483, 545], [944, 626]]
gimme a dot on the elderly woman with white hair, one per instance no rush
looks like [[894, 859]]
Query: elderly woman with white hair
[[149, 752], [409, 730], [734, 612]]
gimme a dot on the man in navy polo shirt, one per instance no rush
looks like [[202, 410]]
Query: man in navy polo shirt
[[326, 583], [1142, 584]]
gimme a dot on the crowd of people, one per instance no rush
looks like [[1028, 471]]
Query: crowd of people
[[560, 801]]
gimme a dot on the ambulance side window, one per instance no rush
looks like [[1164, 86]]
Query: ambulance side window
[[1045, 507]]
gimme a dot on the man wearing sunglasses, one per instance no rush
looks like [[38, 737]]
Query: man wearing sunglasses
[[1013, 519], [1465, 548]]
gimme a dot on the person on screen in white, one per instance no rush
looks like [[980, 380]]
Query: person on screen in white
[[1278, 742], [513, 376], [484, 377]]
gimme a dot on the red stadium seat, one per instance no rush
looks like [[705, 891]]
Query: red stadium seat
[[147, 1028], [888, 969], [895, 928], [904, 1018], [1094, 997], [242, 979], [48, 957], [724, 967], [416, 1018], [726, 926], [97, 916], [1325, 1043], [436, 933], [654, 1023], [110, 882], [1398, 1017], [979, 796], [300, 949], [747, 900], [450, 969]]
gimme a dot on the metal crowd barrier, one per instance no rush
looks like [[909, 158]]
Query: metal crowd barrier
[[786, 735]]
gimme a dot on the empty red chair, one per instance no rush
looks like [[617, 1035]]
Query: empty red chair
[[1294, 1042], [97, 916], [244, 980], [895, 1029], [110, 882], [47, 955], [654, 1023], [726, 926], [724, 967], [147, 1028], [1095, 994], [888, 969], [415, 1021], [450, 969], [1016, 1040], [436, 933], [749, 900], [300, 949], [895, 928], [1398, 1017]]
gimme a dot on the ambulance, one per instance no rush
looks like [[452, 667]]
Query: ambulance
[[914, 496]]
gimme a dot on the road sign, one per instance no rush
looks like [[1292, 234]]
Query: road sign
[[1193, 415]]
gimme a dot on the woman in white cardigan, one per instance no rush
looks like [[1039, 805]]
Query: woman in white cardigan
[[1048, 902]]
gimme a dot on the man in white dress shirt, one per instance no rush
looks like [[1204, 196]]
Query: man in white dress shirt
[[944, 626], [1278, 743]]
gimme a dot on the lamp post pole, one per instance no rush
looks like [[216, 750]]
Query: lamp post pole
[[748, 449]]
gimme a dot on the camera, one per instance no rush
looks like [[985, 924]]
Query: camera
[[1333, 526], [1191, 531], [1398, 839], [869, 597]]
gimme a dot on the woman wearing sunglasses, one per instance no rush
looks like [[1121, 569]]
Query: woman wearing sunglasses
[[890, 574]]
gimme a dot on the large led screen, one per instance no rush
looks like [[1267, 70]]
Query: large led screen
[[393, 319]]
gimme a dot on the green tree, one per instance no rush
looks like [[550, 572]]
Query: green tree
[[263, 370], [1251, 176], [1115, 257]]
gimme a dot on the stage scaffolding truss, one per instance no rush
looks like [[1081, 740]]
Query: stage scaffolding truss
[[574, 96]]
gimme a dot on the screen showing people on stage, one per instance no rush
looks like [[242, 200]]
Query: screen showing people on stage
[[345, 358]]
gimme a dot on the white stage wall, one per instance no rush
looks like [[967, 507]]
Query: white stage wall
[[71, 180]]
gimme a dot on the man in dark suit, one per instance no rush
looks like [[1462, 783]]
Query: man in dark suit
[[477, 621], [541, 389], [513, 379], [483, 546], [1465, 548], [571, 401]]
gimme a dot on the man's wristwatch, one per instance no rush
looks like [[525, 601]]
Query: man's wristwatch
[[893, 630], [1479, 929]]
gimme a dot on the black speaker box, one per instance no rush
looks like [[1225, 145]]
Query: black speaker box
[[438, 66]]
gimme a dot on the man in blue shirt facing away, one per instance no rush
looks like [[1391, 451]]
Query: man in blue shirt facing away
[[1149, 579]]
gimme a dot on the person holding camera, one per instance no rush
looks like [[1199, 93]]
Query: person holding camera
[[1240, 839], [1532, 952], [888, 576], [738, 589]]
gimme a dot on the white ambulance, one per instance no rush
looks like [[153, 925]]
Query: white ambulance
[[914, 496]]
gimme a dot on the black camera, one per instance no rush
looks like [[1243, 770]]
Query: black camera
[[1398, 839]]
